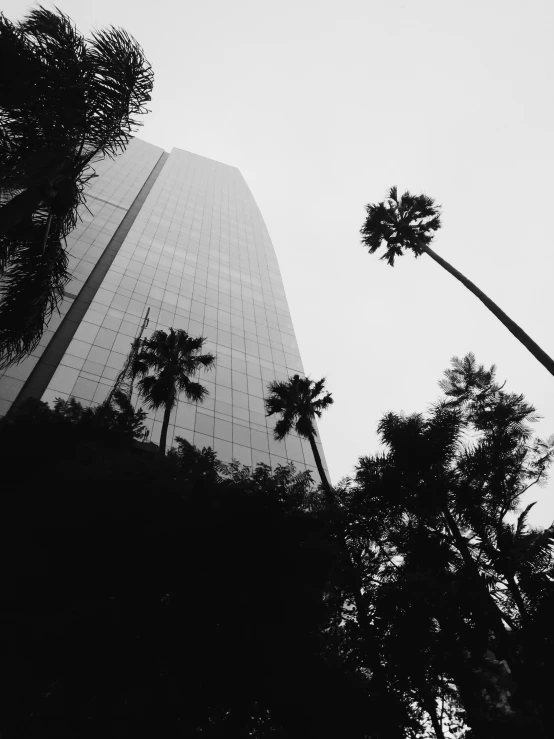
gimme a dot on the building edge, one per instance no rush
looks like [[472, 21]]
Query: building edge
[[37, 382]]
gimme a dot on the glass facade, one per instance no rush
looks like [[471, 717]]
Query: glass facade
[[198, 254], [109, 197]]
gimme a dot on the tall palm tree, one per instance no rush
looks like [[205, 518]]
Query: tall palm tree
[[409, 223], [165, 364], [299, 400], [65, 103]]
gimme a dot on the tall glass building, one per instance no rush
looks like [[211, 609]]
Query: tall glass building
[[181, 235]]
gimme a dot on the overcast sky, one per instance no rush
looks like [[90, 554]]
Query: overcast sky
[[323, 106]]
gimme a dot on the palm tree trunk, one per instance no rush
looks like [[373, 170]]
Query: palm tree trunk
[[431, 709], [509, 573], [165, 426], [371, 657], [322, 475], [370, 649], [370, 644], [518, 332], [494, 614], [47, 232], [516, 593], [20, 208]]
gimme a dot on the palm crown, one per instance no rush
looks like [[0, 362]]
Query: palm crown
[[165, 364], [65, 102], [299, 401], [408, 222]]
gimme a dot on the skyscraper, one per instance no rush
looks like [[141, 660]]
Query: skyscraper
[[179, 234]]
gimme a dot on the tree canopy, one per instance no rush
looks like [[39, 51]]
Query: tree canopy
[[179, 595], [65, 103], [166, 364], [409, 223], [454, 576], [299, 401]]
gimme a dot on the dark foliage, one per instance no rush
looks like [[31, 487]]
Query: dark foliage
[[166, 364], [117, 420], [158, 597], [456, 581], [409, 223], [178, 596], [405, 223], [65, 102], [298, 401]]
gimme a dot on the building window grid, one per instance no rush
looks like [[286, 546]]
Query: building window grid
[[207, 248]]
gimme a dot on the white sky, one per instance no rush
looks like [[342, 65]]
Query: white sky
[[323, 105]]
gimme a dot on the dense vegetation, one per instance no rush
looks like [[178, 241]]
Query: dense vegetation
[[180, 596], [65, 103], [146, 593], [164, 597]]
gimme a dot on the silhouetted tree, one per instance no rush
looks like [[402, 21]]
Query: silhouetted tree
[[431, 521], [184, 596], [65, 103], [118, 418], [195, 466], [139, 599], [409, 223], [172, 358], [298, 401], [295, 491]]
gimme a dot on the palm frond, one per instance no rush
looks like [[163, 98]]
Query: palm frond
[[282, 429], [522, 519], [123, 81], [31, 289], [304, 426], [64, 102], [152, 391], [408, 223], [193, 391], [299, 400], [165, 364]]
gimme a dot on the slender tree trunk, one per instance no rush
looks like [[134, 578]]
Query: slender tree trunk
[[371, 657], [529, 711], [370, 644], [47, 232], [319, 464], [371, 654], [508, 572], [431, 709], [371, 647], [490, 606], [516, 593], [165, 426], [518, 332], [20, 208]]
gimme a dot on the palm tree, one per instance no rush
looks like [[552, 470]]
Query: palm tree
[[65, 103], [165, 364], [409, 223], [299, 400]]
